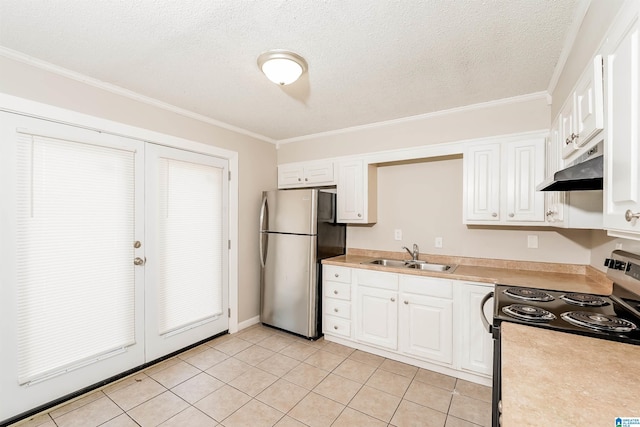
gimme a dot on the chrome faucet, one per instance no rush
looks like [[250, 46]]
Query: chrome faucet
[[414, 254]]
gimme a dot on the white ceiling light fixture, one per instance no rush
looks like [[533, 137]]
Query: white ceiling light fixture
[[281, 66]]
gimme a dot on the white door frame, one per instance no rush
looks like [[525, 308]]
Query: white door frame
[[39, 110]]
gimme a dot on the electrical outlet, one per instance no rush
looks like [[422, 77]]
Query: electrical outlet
[[532, 241], [618, 245], [397, 234], [438, 242]]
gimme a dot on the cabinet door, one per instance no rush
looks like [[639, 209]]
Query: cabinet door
[[622, 177], [482, 183], [350, 192], [377, 317], [317, 174], [589, 103], [568, 127], [476, 346], [525, 169], [290, 176], [426, 325]]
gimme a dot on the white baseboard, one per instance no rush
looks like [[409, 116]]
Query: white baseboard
[[249, 322]]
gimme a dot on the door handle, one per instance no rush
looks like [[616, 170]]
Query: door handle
[[486, 323]]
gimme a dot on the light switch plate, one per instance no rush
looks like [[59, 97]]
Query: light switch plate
[[397, 234], [438, 242], [532, 241]]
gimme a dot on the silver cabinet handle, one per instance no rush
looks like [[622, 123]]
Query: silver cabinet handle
[[335, 309], [567, 141], [575, 136], [393, 299], [299, 179], [335, 327], [511, 215], [549, 213], [494, 214], [406, 302], [139, 261], [137, 244], [630, 216], [359, 215], [335, 292], [337, 275]]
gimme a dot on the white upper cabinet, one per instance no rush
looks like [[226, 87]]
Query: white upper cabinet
[[307, 174], [589, 103], [500, 181], [582, 116], [356, 196], [482, 193], [622, 137]]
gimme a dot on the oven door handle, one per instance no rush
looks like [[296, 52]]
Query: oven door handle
[[486, 323]]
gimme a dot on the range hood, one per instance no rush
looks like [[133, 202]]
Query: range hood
[[585, 175]]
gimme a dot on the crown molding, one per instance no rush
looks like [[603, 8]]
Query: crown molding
[[466, 108]]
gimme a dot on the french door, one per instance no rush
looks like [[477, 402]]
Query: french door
[[112, 254], [186, 222]]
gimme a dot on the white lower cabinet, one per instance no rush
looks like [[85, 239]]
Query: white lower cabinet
[[377, 320], [430, 322], [476, 345], [377, 308], [426, 324], [336, 302]]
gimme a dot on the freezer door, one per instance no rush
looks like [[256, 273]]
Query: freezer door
[[289, 285], [289, 211]]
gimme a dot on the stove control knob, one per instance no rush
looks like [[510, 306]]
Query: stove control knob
[[620, 265]]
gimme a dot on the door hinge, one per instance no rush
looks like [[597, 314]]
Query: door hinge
[[229, 312], [229, 244], [229, 175]]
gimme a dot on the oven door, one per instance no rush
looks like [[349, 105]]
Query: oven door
[[494, 329]]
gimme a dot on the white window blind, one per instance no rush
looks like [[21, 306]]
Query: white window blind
[[75, 233], [190, 244]]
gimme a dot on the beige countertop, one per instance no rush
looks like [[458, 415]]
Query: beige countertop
[[571, 278], [553, 378]]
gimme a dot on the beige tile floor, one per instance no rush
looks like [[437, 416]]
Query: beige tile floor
[[264, 377]]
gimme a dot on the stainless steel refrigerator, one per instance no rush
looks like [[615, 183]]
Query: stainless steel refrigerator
[[297, 230]]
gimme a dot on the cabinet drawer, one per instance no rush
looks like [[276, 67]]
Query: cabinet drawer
[[336, 326], [337, 308], [337, 290], [337, 274], [378, 279], [426, 286]]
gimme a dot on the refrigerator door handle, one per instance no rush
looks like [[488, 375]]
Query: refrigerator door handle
[[264, 215], [264, 238]]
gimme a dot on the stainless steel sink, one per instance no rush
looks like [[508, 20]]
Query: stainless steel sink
[[431, 267], [416, 265], [388, 262]]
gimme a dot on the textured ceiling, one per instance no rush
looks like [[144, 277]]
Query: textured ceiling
[[369, 60]]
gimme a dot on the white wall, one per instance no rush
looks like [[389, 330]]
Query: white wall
[[424, 200], [256, 158]]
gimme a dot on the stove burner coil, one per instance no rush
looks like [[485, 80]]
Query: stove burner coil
[[584, 300], [527, 294], [598, 321], [527, 312]]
